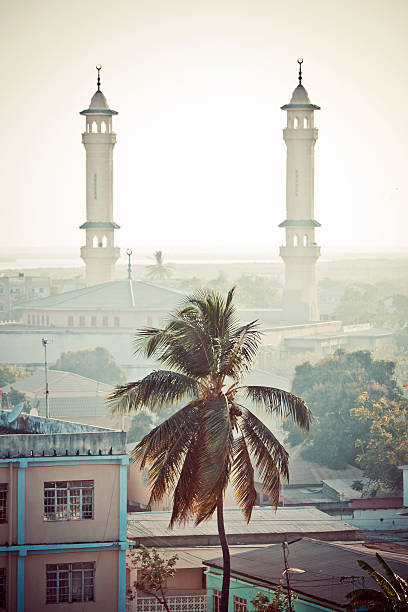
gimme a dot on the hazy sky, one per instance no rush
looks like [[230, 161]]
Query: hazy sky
[[200, 160]]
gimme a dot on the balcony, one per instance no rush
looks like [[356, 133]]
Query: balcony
[[178, 603]]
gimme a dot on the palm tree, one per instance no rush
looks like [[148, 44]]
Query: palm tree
[[213, 438], [159, 270], [393, 596]]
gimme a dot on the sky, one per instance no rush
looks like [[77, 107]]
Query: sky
[[199, 163]]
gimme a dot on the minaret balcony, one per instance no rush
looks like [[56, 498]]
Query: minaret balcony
[[100, 253], [311, 251], [300, 133], [91, 138]]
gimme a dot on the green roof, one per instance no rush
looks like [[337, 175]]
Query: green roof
[[305, 106], [300, 223], [99, 225], [114, 295]]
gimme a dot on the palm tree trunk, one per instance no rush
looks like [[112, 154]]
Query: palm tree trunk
[[226, 558]]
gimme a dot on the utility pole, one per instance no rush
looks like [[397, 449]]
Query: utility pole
[[47, 404], [285, 546]]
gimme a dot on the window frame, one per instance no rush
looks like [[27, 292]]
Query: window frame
[[3, 502], [65, 572], [67, 502], [3, 588], [240, 604], [216, 600]]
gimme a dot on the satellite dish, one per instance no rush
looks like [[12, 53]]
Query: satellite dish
[[15, 413]]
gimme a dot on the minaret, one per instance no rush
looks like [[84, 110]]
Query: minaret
[[300, 251], [99, 252]]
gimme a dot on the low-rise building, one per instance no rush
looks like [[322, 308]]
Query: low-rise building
[[62, 515], [17, 288]]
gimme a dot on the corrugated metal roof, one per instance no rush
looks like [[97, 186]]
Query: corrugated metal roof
[[302, 471], [324, 564], [62, 384], [263, 520]]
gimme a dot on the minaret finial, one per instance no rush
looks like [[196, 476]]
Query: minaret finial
[[300, 62], [129, 254], [98, 82]]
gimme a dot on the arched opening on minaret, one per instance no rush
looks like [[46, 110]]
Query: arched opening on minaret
[[103, 127], [104, 242], [94, 127], [305, 122], [296, 123], [95, 242], [295, 240], [305, 240]]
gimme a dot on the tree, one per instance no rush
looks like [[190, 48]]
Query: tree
[[278, 603], [331, 388], [141, 424], [98, 364], [209, 441], [384, 446], [11, 373], [152, 574], [257, 292], [159, 270], [393, 596]]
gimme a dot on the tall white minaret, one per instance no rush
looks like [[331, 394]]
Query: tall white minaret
[[99, 252], [300, 251]]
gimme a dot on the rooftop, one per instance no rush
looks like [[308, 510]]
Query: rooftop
[[114, 295], [61, 384], [263, 521], [330, 570]]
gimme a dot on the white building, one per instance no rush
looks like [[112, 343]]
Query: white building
[[300, 251], [99, 253]]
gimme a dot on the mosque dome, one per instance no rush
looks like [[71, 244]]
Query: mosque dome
[[99, 101], [300, 96]]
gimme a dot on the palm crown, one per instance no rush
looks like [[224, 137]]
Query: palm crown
[[159, 270], [211, 439]]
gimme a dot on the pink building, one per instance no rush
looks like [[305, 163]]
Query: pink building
[[62, 515]]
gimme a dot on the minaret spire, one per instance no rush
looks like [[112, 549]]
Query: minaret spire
[[98, 82], [300, 62]]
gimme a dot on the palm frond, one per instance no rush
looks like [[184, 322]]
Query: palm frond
[[188, 486], [271, 459], [242, 475], [215, 455], [399, 584], [240, 350], [156, 390], [162, 437], [374, 600], [280, 402], [382, 582]]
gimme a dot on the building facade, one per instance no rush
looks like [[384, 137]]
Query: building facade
[[99, 253], [62, 515], [14, 289], [300, 251]]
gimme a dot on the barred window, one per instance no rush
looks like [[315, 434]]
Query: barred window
[[216, 600], [68, 500], [70, 582], [240, 604], [2, 588], [3, 503]]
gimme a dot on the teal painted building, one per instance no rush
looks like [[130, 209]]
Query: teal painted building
[[328, 572]]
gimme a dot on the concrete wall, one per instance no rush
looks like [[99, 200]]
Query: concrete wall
[[106, 581], [378, 520], [8, 530], [104, 527]]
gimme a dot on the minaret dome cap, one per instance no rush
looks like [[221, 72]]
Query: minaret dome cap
[[300, 97], [98, 106]]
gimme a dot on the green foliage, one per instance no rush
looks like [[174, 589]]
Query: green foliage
[[11, 373], [401, 338], [332, 388], [16, 397], [384, 446], [98, 364], [153, 571], [361, 304], [278, 603], [393, 596], [141, 424]]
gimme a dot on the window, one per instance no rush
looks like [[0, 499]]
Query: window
[[70, 582], [116, 321], [105, 321], [216, 600], [29, 319], [240, 604], [2, 587], [93, 321], [1, 289], [70, 321], [68, 501], [82, 321], [47, 319], [3, 503]]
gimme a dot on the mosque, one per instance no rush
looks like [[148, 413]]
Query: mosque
[[107, 311]]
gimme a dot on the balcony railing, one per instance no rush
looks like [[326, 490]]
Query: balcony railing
[[176, 603]]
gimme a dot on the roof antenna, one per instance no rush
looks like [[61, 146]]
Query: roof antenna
[[98, 82], [300, 62]]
